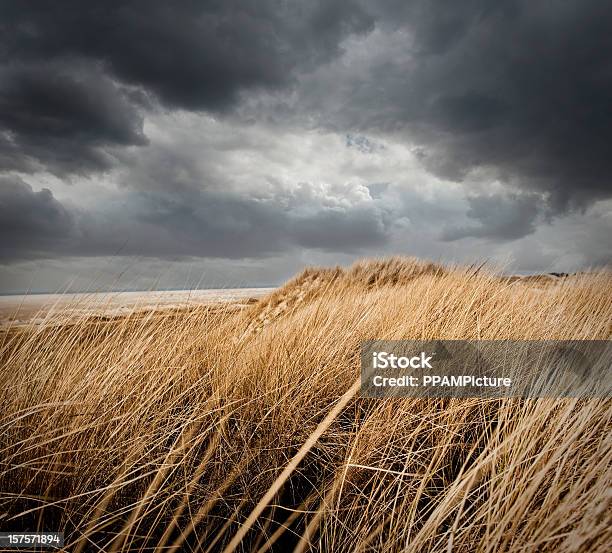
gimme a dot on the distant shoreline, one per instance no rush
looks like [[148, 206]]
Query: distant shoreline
[[135, 290], [22, 309]]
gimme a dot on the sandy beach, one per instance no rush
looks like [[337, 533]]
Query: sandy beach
[[25, 309]]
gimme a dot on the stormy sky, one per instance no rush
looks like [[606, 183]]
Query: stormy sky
[[146, 143]]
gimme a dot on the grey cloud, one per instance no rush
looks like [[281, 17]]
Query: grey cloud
[[517, 90], [578, 241], [500, 217], [378, 189], [520, 87], [196, 222], [61, 118], [341, 230], [31, 221], [194, 55]]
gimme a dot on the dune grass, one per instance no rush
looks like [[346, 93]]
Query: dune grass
[[218, 428]]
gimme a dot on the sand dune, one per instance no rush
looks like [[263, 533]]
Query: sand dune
[[244, 429]]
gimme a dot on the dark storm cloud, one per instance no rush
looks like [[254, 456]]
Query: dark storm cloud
[[191, 212], [192, 53], [195, 55], [517, 91], [192, 222], [60, 118], [522, 87], [31, 221], [499, 217], [519, 86], [220, 225], [343, 230]]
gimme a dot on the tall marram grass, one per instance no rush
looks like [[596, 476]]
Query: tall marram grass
[[218, 428]]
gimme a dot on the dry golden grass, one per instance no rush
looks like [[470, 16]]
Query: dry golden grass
[[218, 429]]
